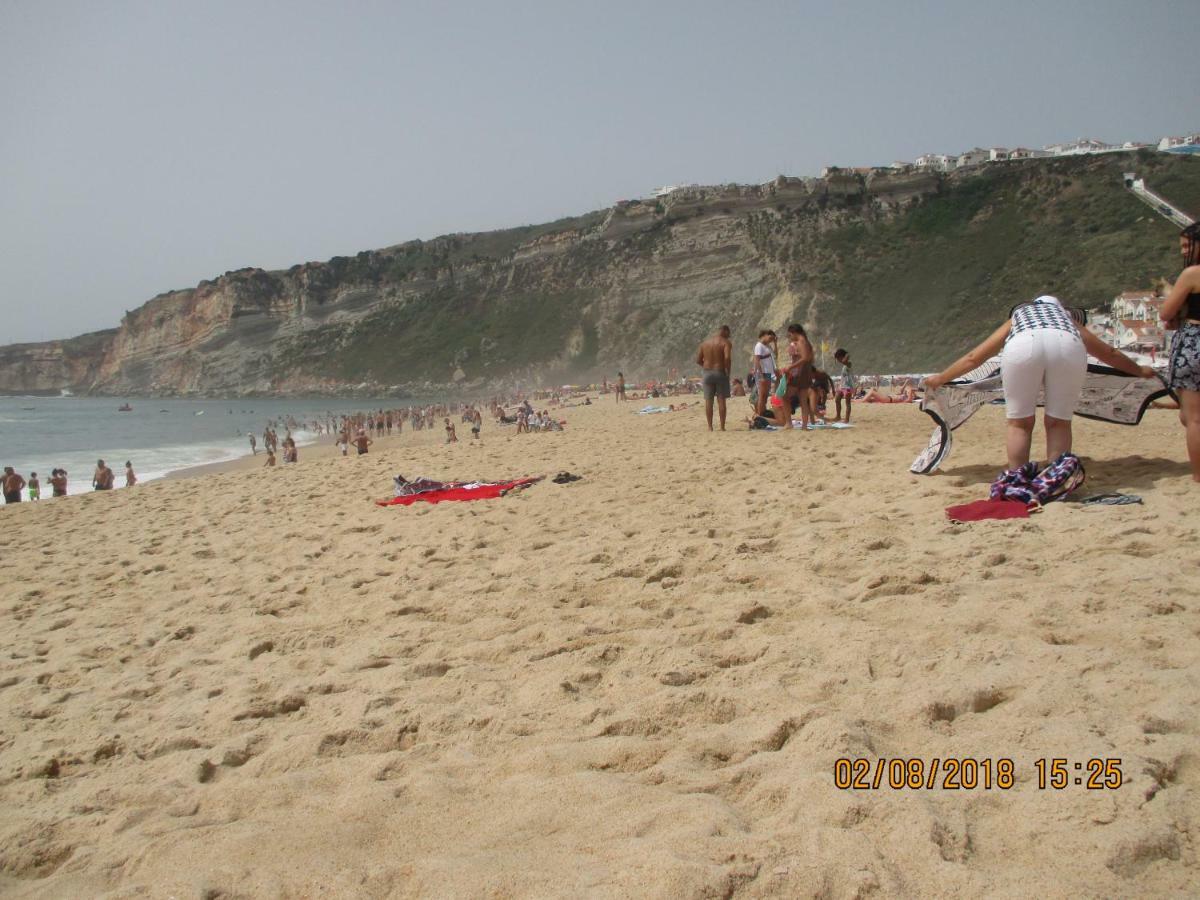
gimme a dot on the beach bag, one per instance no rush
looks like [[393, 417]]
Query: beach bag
[[1029, 485], [1013, 484], [1062, 477]]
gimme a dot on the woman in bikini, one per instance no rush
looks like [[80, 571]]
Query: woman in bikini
[[799, 376], [1181, 312], [907, 395]]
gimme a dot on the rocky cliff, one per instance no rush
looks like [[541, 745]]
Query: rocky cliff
[[906, 269]]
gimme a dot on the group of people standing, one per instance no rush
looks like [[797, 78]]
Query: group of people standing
[[103, 479], [781, 388]]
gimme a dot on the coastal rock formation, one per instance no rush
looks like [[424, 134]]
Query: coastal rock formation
[[52, 366], [905, 268]]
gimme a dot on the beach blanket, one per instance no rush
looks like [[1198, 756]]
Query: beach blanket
[[651, 410], [797, 423], [978, 510], [1108, 396], [428, 491]]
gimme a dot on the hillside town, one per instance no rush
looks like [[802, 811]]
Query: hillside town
[[1131, 324], [978, 156]]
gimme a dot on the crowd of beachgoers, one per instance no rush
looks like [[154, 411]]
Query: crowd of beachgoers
[[535, 411], [355, 430]]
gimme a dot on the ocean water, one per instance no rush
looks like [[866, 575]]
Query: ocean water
[[38, 434]]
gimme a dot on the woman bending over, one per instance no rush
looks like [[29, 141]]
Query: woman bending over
[[1044, 349]]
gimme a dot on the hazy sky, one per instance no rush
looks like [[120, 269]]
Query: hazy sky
[[146, 146]]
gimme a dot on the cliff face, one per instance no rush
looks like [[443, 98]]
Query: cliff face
[[904, 269], [50, 367]]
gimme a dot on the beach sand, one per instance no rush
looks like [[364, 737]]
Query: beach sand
[[259, 684]]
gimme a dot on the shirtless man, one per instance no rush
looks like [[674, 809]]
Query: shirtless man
[[58, 482], [715, 357], [102, 478], [253, 444], [13, 485], [620, 389], [362, 442]]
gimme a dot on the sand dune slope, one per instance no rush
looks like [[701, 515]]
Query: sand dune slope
[[260, 684]]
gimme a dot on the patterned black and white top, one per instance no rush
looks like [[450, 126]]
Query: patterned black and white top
[[1044, 312]]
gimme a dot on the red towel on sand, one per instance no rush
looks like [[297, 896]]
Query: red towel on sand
[[987, 509], [480, 492]]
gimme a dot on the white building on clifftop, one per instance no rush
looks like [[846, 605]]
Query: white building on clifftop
[[669, 189], [938, 162]]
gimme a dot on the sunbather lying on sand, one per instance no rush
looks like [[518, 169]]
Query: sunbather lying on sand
[[907, 395]]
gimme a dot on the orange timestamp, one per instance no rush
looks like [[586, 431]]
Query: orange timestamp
[[948, 774], [970, 773], [1096, 774]]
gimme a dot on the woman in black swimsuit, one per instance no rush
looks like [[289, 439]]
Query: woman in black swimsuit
[[1181, 312]]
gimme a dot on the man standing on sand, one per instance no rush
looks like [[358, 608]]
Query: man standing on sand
[[620, 389], [362, 442], [13, 485], [715, 357], [102, 478]]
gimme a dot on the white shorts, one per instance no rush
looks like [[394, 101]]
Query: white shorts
[[1043, 359]]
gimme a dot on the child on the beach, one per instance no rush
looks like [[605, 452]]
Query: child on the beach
[[451, 437], [130, 478], [35, 487], [845, 384], [270, 457], [822, 387]]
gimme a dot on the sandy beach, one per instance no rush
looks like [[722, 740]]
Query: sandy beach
[[257, 683]]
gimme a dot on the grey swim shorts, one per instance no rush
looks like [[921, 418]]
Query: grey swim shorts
[[716, 383]]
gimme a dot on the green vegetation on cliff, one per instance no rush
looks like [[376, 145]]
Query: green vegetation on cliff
[[912, 292]]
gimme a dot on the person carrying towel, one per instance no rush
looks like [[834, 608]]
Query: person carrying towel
[[1043, 348], [1181, 313]]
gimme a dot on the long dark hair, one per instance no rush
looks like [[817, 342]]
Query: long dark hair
[[1192, 233]]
